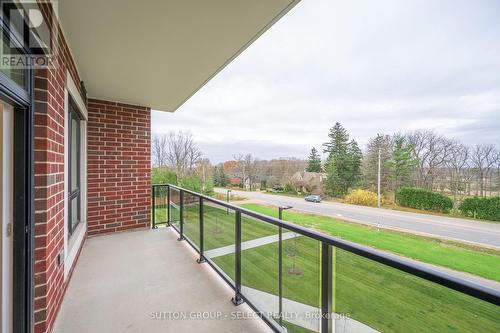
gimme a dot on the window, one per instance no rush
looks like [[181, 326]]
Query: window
[[74, 202], [16, 75]]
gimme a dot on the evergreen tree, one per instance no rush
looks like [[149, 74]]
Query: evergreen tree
[[401, 164], [220, 179], [314, 162], [343, 163], [337, 146], [354, 158]]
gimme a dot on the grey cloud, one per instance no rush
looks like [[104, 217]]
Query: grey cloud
[[375, 66]]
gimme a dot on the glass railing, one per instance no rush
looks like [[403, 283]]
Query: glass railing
[[299, 280], [174, 207], [159, 203]]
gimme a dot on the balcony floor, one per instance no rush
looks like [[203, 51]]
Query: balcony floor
[[122, 281]]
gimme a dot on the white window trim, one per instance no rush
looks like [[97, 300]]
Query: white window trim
[[72, 245]]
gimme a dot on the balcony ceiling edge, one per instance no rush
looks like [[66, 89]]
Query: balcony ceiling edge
[[159, 55]]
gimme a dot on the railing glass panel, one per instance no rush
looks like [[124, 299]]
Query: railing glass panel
[[160, 205], [219, 237], [260, 265], [175, 207], [191, 211], [301, 282], [375, 297]]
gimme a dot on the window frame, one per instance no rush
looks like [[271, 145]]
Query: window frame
[[21, 97], [73, 114]]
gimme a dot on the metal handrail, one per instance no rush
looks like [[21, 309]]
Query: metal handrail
[[403, 264]]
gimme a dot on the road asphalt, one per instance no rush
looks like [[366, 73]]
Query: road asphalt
[[450, 228]]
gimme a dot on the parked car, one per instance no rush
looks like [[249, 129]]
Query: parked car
[[313, 198]]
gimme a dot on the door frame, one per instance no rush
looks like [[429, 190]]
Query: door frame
[[22, 101]]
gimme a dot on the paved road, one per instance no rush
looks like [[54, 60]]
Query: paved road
[[480, 233]]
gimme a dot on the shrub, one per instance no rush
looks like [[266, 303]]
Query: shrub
[[423, 199], [192, 182], [362, 197], [289, 188], [482, 208], [209, 186], [163, 176]]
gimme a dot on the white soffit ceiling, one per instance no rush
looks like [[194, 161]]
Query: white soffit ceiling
[[159, 53]]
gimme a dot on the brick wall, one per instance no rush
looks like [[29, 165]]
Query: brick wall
[[118, 173], [119, 167], [49, 179]]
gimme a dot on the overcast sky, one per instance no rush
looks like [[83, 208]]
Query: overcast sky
[[375, 66]]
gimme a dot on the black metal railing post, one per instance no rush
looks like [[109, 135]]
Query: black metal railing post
[[181, 210], [153, 203], [280, 275], [168, 206], [237, 299], [201, 259], [326, 288], [280, 269]]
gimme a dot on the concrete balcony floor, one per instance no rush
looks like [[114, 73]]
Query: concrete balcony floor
[[133, 281]]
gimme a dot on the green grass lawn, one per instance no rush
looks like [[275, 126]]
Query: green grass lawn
[[460, 257], [381, 297]]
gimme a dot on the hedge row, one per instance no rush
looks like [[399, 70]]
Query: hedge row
[[481, 208], [423, 199]]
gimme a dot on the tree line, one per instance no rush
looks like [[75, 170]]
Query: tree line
[[177, 159], [257, 172], [421, 158]]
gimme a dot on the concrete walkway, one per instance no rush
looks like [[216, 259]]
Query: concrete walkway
[[147, 281], [301, 314], [221, 251]]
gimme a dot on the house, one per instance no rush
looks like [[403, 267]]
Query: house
[[311, 182], [235, 181], [78, 82]]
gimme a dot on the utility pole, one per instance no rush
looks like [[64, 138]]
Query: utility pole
[[378, 180]]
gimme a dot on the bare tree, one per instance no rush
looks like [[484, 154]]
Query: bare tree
[[182, 153], [240, 168], [432, 151], [159, 149], [246, 168], [251, 168], [457, 165], [382, 143], [484, 159], [204, 169]]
